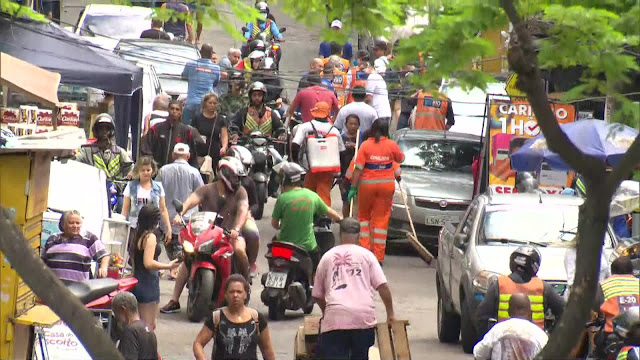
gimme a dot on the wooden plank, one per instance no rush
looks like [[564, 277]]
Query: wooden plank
[[299, 348], [385, 346], [400, 341], [311, 325], [421, 250]]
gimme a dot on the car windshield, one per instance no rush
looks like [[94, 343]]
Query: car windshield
[[438, 154], [167, 58], [115, 26], [542, 225]]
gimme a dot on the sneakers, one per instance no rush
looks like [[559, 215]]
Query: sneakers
[[253, 270], [171, 307]]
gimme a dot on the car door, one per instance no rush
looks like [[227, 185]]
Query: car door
[[445, 245], [458, 260]]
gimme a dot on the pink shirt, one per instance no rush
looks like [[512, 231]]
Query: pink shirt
[[346, 278], [308, 97]]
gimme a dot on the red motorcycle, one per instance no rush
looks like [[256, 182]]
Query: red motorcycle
[[208, 255]]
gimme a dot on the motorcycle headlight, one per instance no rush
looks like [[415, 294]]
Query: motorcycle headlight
[[206, 247], [482, 281]]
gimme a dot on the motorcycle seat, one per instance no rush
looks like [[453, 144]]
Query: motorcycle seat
[[89, 290]]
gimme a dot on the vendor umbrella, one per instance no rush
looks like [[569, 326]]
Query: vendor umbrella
[[605, 141]]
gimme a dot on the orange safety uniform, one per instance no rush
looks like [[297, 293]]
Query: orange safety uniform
[[431, 112], [624, 353], [340, 86], [376, 187], [534, 289], [344, 64], [621, 292], [358, 78]]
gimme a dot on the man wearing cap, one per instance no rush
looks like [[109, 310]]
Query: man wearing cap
[[320, 181], [325, 47], [343, 286], [307, 98], [179, 180]]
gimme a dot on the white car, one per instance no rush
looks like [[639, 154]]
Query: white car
[[105, 25]]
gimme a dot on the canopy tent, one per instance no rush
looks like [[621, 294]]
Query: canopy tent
[[79, 63]]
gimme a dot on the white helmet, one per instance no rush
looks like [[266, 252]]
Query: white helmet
[[262, 6], [256, 55], [229, 172]]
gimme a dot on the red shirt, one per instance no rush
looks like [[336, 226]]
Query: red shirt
[[307, 98]]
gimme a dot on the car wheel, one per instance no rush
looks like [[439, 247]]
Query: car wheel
[[448, 324], [468, 333]]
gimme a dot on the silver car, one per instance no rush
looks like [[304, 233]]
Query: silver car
[[476, 252], [437, 179]]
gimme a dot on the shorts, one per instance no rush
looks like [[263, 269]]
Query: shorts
[[174, 248], [250, 231]]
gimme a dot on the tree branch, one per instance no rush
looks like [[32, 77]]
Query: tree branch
[[51, 290], [629, 161], [523, 60]]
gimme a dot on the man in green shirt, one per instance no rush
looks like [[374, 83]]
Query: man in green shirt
[[295, 210]]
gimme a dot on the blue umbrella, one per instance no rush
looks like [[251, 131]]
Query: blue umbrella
[[604, 141]]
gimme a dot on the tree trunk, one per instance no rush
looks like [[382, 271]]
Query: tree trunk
[[50, 289]]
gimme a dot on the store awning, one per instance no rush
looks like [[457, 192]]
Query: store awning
[[32, 81], [38, 315]]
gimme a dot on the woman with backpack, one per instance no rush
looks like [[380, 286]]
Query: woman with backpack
[[236, 329]]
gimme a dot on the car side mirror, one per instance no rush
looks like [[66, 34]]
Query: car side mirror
[[460, 241], [177, 204], [283, 29], [244, 29]]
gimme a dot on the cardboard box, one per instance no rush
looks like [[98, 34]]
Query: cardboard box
[[9, 115], [69, 118], [28, 114], [44, 118]]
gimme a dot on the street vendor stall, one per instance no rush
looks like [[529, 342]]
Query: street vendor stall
[[24, 181]]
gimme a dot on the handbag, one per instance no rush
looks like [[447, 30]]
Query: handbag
[[207, 165]]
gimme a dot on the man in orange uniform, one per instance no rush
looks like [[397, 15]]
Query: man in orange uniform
[[431, 112], [336, 51], [358, 75], [620, 292], [374, 179], [339, 81]]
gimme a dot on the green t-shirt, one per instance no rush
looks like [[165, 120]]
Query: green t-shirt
[[295, 210]]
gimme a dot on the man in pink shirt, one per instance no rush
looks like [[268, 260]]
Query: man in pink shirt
[[344, 284], [308, 97]]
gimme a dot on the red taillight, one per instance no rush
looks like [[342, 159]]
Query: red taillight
[[281, 252]]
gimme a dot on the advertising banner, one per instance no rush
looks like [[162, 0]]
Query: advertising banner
[[511, 123]]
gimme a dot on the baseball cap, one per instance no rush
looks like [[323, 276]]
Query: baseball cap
[[181, 149], [322, 110], [350, 226], [336, 24]]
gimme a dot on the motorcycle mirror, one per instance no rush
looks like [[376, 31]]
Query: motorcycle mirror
[[234, 129], [187, 247], [177, 204], [283, 29], [244, 29]]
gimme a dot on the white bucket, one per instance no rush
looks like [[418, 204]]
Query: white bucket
[[323, 154]]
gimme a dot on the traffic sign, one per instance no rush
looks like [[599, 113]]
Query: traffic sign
[[511, 88]]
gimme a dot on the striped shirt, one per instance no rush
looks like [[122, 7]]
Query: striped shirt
[[70, 259]]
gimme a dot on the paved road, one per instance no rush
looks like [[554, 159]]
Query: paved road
[[411, 281]]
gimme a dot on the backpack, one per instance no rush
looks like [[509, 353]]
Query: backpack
[[323, 152]]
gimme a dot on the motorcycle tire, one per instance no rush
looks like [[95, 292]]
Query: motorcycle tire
[[200, 295], [261, 192], [276, 311]]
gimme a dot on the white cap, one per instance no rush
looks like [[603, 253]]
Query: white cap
[[336, 24], [181, 149]]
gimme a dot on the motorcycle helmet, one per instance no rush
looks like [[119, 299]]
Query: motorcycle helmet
[[229, 170], [257, 45], [258, 86], [290, 173], [243, 154], [626, 321], [104, 120], [262, 7], [525, 182], [237, 77], [525, 260]]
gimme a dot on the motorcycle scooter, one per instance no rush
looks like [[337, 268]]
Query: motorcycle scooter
[[272, 47], [208, 255]]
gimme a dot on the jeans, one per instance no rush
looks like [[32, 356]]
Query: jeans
[[189, 113], [345, 344]]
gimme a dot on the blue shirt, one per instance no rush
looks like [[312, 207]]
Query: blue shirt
[[203, 75], [325, 50], [262, 24]]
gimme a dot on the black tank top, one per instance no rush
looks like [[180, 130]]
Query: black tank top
[[236, 341]]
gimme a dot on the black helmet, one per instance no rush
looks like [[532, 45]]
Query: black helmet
[[525, 260], [626, 321], [290, 173], [525, 182], [101, 120], [229, 172], [236, 77]]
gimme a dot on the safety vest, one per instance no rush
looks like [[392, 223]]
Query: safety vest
[[358, 78], [254, 122], [344, 64], [534, 289], [112, 166], [621, 292], [340, 86], [256, 29], [431, 112], [624, 352]]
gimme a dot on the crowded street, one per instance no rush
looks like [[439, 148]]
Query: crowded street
[[388, 180]]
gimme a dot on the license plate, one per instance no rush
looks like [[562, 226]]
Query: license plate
[[276, 280], [439, 220]]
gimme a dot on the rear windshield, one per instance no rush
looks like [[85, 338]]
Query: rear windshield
[[439, 154]]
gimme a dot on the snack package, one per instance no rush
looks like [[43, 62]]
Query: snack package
[[9, 115]]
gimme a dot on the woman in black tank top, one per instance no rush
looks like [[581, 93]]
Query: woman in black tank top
[[236, 330]]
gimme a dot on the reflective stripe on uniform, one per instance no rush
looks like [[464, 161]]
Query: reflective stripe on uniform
[[534, 289], [111, 169], [376, 181], [380, 231], [383, 166], [379, 241]]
